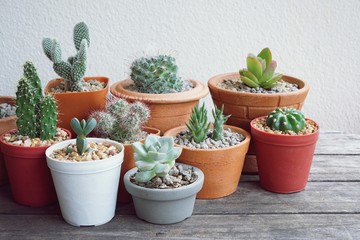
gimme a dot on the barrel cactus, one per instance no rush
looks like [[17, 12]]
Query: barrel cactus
[[82, 129], [36, 114], [286, 119], [155, 157], [156, 75], [260, 70], [72, 70]]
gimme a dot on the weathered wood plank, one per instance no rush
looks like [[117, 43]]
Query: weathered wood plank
[[267, 226], [338, 143]]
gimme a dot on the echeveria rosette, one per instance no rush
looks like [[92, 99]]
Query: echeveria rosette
[[260, 70], [286, 119], [155, 157]]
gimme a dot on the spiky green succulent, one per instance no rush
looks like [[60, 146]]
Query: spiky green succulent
[[36, 114], [219, 121], [260, 70], [156, 75], [198, 124], [82, 129], [286, 119], [155, 157], [74, 69]]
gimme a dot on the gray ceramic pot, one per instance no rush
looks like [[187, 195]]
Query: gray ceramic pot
[[164, 206]]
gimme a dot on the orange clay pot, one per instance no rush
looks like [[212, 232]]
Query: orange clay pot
[[129, 163], [77, 104], [244, 107], [6, 124], [167, 110], [222, 167]]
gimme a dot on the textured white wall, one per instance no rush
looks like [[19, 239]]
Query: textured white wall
[[314, 40]]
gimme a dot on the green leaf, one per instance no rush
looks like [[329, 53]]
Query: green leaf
[[270, 83], [268, 73], [248, 82], [145, 166], [266, 55], [75, 125], [156, 156], [150, 140], [90, 125], [139, 149], [249, 75], [144, 176], [254, 66], [162, 169]]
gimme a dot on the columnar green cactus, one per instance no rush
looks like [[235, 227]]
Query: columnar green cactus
[[198, 124], [155, 157], [156, 75], [36, 114], [286, 119], [74, 69], [122, 121], [260, 70], [219, 121], [82, 129]]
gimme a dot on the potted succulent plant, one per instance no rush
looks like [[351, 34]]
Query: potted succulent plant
[[284, 142], [163, 192], [89, 93], [254, 92], [86, 175], [24, 147], [154, 81], [218, 152], [7, 122], [123, 122]]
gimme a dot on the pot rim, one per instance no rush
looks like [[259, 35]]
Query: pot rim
[[245, 133], [213, 81], [199, 91]]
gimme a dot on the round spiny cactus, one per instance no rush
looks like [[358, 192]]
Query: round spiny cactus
[[286, 119]]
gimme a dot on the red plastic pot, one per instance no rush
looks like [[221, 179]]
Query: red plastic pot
[[284, 161], [30, 178]]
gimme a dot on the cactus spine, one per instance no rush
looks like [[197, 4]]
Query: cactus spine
[[286, 119], [74, 69], [82, 129], [36, 114], [156, 75], [219, 121]]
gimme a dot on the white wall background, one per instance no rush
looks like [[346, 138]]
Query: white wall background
[[318, 41]]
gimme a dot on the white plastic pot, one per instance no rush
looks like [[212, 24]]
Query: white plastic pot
[[87, 191], [164, 206]]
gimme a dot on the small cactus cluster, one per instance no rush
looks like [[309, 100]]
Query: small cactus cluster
[[286, 119], [156, 75], [36, 114], [155, 157], [121, 121], [72, 70], [198, 124], [260, 70], [82, 129]]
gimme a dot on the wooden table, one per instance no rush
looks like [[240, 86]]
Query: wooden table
[[329, 208]]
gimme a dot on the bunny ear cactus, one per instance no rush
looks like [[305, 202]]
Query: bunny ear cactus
[[156, 75], [219, 121], [155, 157], [198, 124], [82, 129], [260, 70], [36, 114], [286, 119], [74, 69]]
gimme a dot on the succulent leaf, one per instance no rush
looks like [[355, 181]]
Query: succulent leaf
[[219, 121], [249, 82], [254, 66], [268, 73], [266, 55]]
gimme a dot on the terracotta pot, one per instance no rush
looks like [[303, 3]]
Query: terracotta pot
[[167, 110], [284, 161], [77, 104], [244, 107], [222, 167], [6, 124], [30, 178], [129, 163]]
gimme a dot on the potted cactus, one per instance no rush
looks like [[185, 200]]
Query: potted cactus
[[7, 122], [154, 81], [218, 151], [284, 142], [123, 122], [77, 162], [254, 92], [163, 192], [24, 147], [89, 93]]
